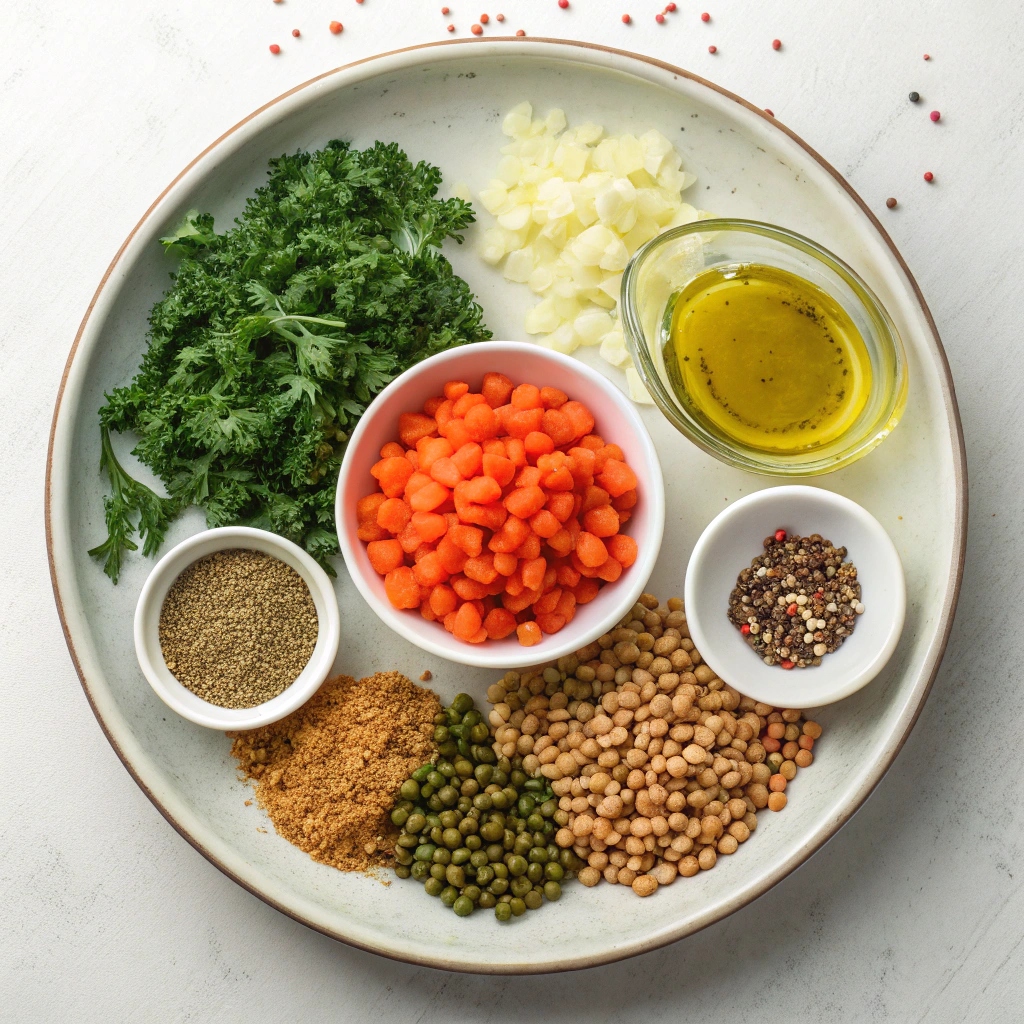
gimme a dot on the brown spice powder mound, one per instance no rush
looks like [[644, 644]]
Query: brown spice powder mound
[[328, 774]]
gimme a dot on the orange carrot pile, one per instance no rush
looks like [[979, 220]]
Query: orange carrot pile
[[498, 511]]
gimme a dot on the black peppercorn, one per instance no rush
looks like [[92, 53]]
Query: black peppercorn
[[914, 97]]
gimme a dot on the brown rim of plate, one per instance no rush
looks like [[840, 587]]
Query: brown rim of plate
[[959, 532]]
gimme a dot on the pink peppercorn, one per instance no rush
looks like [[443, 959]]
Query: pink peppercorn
[[520, 32], [660, 19], [451, 28], [563, 4], [626, 19], [776, 44], [444, 10], [500, 17], [274, 48], [296, 33], [484, 18], [336, 27], [769, 112], [935, 115], [928, 176], [927, 56], [712, 49], [477, 30], [670, 8], [780, 535], [705, 16]]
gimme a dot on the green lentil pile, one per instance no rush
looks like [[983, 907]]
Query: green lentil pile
[[476, 830]]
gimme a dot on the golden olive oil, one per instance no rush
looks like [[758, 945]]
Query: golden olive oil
[[766, 358]]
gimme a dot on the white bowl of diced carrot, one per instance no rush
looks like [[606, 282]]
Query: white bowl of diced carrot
[[500, 505]]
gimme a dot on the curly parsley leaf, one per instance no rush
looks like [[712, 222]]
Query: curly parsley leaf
[[273, 339]]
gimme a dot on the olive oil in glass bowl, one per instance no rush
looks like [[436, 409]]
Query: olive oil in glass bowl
[[762, 347]]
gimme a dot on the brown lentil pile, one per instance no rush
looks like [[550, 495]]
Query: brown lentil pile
[[798, 601], [658, 765], [237, 627], [328, 773]]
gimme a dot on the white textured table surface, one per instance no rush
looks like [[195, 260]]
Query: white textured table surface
[[913, 912]]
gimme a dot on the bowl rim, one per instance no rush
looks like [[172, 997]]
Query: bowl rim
[[62, 575], [621, 598], [740, 456], [159, 581], [819, 497]]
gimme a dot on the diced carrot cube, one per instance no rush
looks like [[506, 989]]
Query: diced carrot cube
[[529, 634], [532, 571], [456, 432], [602, 521], [427, 612], [428, 497], [414, 459], [548, 462], [516, 450], [401, 588], [414, 483], [513, 586], [580, 417], [481, 422], [431, 405], [449, 622], [466, 402], [431, 449], [616, 478], [602, 455], [467, 538], [625, 501], [469, 459], [443, 600], [561, 505], [552, 398], [468, 590], [445, 472], [538, 443], [519, 602], [443, 415], [526, 396], [589, 571], [455, 389], [481, 568], [591, 550], [559, 480], [561, 542], [467, 621], [511, 534], [545, 525], [409, 538], [594, 497], [490, 516], [624, 517], [371, 531], [414, 425], [525, 501], [481, 490], [496, 388], [453, 558], [494, 446], [610, 571], [392, 450], [429, 571], [385, 555], [429, 525], [566, 606], [585, 591], [497, 467], [521, 422], [547, 602], [551, 623], [505, 562], [499, 623], [529, 476], [623, 549], [592, 441], [530, 548], [393, 474], [366, 508], [558, 426], [581, 465], [393, 515], [567, 576]]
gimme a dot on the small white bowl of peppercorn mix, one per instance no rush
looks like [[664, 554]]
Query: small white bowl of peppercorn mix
[[236, 628], [795, 595]]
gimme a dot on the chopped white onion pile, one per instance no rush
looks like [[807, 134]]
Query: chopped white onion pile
[[572, 206]]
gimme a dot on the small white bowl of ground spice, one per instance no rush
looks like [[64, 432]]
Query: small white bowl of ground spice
[[236, 628], [795, 595]]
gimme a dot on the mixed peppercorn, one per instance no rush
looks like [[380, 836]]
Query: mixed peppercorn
[[798, 601]]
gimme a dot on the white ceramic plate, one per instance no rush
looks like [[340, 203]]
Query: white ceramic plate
[[444, 103]]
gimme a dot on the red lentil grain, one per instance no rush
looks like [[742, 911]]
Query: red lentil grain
[[336, 27], [296, 33], [451, 28], [712, 49], [786, 664], [626, 19], [477, 30], [484, 19], [500, 17], [520, 32], [274, 48], [769, 111]]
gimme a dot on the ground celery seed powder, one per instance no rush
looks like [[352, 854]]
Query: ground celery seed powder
[[237, 627], [327, 775]]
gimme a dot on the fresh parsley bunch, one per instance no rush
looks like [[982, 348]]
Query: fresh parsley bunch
[[274, 337]]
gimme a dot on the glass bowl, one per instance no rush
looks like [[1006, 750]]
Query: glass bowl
[[665, 265]]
